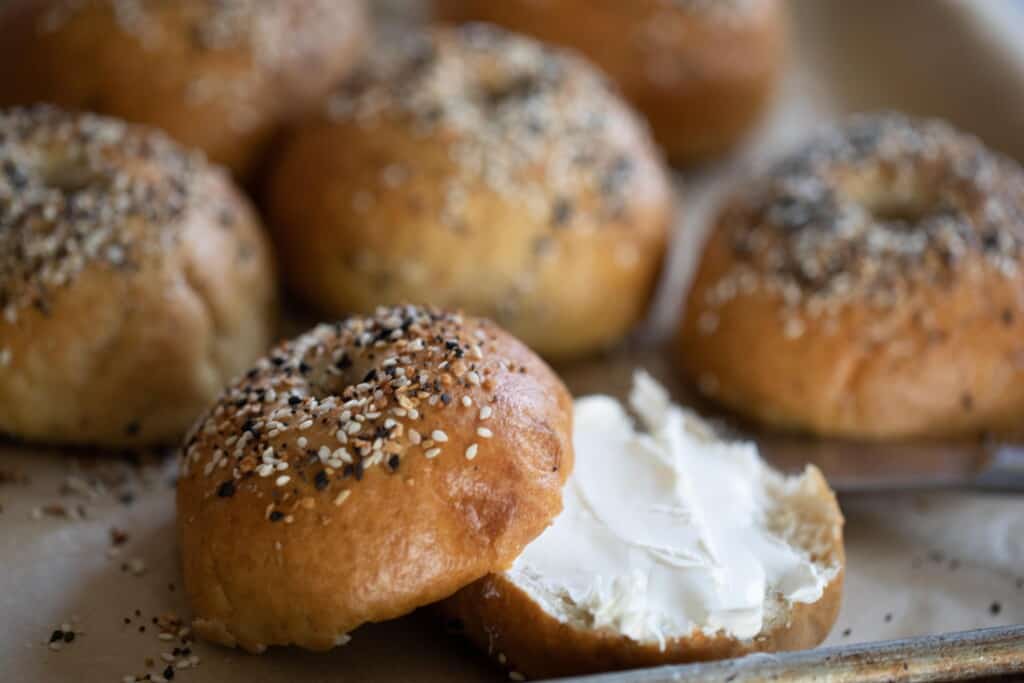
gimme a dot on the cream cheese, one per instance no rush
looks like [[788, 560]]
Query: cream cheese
[[665, 529]]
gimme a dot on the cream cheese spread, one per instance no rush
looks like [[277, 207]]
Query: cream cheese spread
[[665, 528]]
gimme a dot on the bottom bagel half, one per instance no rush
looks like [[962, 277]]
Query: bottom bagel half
[[540, 618]]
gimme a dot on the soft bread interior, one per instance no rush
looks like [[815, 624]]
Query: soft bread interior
[[798, 512], [806, 516]]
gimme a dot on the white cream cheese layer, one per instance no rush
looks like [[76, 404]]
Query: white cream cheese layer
[[664, 530]]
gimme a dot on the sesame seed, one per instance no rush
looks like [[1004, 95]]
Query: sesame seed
[[485, 412], [484, 432], [432, 453], [793, 328], [342, 497], [439, 436], [282, 480], [474, 377], [414, 437], [302, 442], [707, 323], [471, 452], [265, 470], [467, 401]]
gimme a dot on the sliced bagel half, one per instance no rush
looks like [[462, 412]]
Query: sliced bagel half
[[674, 546]]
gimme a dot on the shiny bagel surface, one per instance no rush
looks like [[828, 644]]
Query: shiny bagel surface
[[365, 469]]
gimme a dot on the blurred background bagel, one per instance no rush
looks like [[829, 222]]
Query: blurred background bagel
[[701, 72], [214, 74], [473, 168]]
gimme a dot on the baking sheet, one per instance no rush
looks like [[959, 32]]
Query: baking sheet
[[918, 564]]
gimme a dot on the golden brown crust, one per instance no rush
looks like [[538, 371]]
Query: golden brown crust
[[480, 171], [220, 76], [510, 626], [869, 287], [701, 72], [135, 280], [507, 624], [438, 482]]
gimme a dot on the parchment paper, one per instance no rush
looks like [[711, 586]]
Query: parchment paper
[[87, 539]]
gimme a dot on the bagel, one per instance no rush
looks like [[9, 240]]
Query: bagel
[[365, 469], [220, 76], [673, 547], [135, 281], [701, 72], [470, 168], [869, 286]]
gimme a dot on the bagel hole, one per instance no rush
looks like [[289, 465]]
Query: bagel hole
[[898, 210], [332, 378], [68, 176], [326, 385], [899, 206], [895, 200], [516, 89]]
